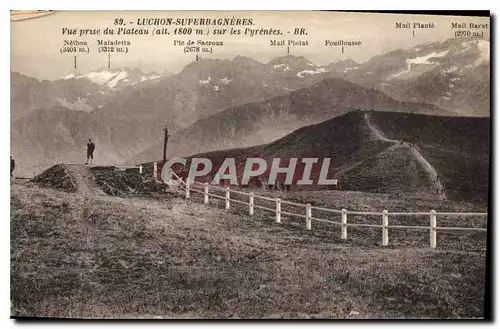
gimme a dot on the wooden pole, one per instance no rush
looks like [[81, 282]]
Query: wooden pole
[[205, 199], [187, 189], [278, 210], [155, 171], [308, 216], [165, 141], [433, 235], [228, 197], [250, 204]]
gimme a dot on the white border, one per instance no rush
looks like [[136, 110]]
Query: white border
[[190, 5]]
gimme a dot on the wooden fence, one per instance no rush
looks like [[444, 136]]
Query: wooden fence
[[433, 228]]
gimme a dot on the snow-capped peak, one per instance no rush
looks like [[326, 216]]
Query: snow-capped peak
[[225, 80], [347, 69], [115, 78], [425, 59], [151, 77], [103, 77], [203, 82], [484, 48], [302, 73], [112, 83], [419, 60], [279, 66], [449, 70]]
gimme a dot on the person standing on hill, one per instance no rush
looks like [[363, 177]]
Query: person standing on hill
[[90, 152], [12, 166]]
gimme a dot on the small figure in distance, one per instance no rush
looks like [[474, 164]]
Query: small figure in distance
[[12, 166], [90, 152]]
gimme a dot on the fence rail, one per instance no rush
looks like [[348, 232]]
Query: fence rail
[[131, 167], [308, 208]]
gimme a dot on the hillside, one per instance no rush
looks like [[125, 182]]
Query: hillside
[[371, 151], [59, 135], [263, 122], [458, 147], [30, 94]]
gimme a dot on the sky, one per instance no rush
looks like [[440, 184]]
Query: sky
[[36, 43]]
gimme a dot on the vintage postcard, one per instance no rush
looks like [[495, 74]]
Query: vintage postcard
[[250, 165]]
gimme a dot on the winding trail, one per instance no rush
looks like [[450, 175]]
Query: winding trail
[[378, 134], [85, 184], [89, 190], [431, 171]]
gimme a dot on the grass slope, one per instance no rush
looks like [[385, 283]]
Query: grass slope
[[457, 147], [170, 258]]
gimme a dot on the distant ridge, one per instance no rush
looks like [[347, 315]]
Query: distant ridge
[[457, 148]]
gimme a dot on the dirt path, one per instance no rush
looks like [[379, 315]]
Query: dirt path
[[378, 134], [85, 184], [431, 171]]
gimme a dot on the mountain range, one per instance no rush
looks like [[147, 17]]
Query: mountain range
[[454, 75], [262, 122], [214, 104]]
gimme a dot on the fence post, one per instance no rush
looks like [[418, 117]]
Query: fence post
[[343, 227], [167, 187], [250, 204], [205, 194], [187, 189], [140, 169], [227, 197], [433, 232], [278, 210], [155, 169], [385, 228], [308, 216]]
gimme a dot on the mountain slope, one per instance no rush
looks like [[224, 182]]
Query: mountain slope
[[208, 86], [262, 122], [59, 135], [30, 94], [456, 149], [453, 74], [84, 92]]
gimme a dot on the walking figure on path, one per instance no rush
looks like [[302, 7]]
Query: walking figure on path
[[90, 152]]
